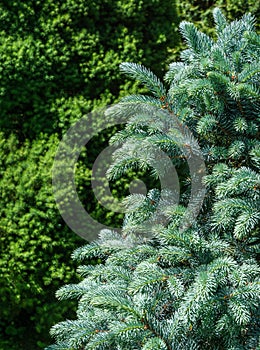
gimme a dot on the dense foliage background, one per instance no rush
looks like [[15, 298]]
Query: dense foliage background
[[58, 61]]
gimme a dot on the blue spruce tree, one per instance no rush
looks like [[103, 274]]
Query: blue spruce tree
[[186, 286]]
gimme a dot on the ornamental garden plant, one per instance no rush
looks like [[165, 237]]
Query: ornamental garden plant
[[192, 287]]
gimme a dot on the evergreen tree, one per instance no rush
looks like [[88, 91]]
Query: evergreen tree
[[193, 288]]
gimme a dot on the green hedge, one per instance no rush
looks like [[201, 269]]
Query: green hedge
[[55, 54], [35, 244], [58, 61]]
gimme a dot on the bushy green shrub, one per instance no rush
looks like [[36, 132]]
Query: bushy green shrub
[[58, 61], [60, 54], [35, 244]]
